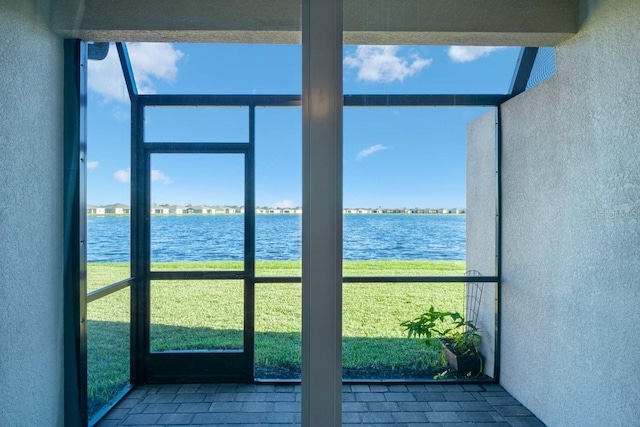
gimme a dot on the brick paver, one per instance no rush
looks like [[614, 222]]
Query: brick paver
[[253, 405]]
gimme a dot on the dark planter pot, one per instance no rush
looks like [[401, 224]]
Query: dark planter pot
[[468, 365]]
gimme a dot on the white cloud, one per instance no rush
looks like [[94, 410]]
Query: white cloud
[[383, 64], [92, 165], [123, 175], [149, 61], [158, 176], [286, 203], [369, 151], [470, 53]]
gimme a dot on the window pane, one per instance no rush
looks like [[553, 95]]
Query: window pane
[[108, 173], [108, 342], [196, 124], [197, 212], [197, 315]]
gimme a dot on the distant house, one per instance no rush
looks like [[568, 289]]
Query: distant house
[[262, 210], [201, 209], [95, 210], [118, 209], [157, 209], [176, 209], [298, 210], [364, 211]]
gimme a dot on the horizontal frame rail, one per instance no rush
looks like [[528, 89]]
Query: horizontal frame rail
[[197, 275], [387, 279], [109, 289], [197, 147], [446, 100]]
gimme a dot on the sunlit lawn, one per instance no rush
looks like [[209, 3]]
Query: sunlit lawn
[[209, 315]]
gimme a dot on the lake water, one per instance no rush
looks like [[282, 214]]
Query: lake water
[[278, 237]]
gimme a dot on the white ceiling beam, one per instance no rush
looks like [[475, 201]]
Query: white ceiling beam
[[429, 22]]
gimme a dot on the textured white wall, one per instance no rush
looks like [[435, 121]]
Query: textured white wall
[[571, 235], [481, 223], [31, 174]]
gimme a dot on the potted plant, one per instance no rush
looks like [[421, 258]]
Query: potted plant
[[458, 337]]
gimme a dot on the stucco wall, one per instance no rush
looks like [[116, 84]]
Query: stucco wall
[[571, 235], [31, 349], [481, 224]]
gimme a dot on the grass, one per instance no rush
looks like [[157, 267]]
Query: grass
[[209, 315]]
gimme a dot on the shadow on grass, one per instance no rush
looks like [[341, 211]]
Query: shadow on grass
[[277, 355]]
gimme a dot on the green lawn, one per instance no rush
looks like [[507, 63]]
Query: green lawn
[[208, 315]]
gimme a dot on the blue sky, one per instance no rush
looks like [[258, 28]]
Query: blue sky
[[393, 157]]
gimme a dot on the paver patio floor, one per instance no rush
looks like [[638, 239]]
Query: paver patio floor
[[413, 405]]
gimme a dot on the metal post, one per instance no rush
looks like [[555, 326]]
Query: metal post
[[322, 212]]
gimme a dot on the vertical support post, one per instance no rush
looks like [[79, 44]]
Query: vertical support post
[[498, 271], [75, 251], [249, 244], [322, 104]]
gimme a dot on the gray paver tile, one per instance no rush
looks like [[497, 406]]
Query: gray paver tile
[[354, 407], [445, 406], [161, 408], [159, 398], [281, 397], [193, 407], [370, 397], [458, 396], [176, 419], [225, 406], [409, 417], [117, 414], [348, 397], [138, 409], [496, 401], [350, 417], [247, 388], [513, 411], [434, 388], [492, 387], [398, 388], [414, 406], [278, 418], [189, 388], [376, 417], [383, 407], [416, 387], [108, 423], [128, 403], [429, 397], [141, 419], [189, 397], [286, 407], [472, 387], [360, 388], [524, 422], [378, 388], [220, 397], [250, 397], [208, 388], [399, 397], [443, 417], [227, 388], [169, 388], [452, 387], [484, 417], [476, 406], [258, 406]]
